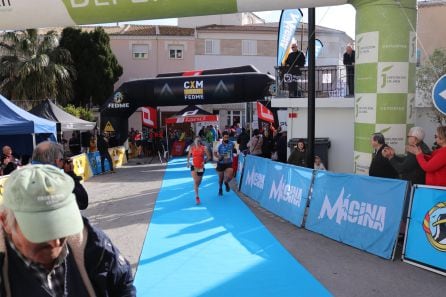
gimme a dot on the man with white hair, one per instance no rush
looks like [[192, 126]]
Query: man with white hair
[[407, 166], [47, 248]]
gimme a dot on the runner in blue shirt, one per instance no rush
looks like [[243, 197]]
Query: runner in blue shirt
[[224, 169]]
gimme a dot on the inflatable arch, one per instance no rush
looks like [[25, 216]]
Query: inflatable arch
[[385, 50]]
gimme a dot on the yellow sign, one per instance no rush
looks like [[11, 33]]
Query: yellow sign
[[81, 166], [2, 182], [118, 156], [109, 127]]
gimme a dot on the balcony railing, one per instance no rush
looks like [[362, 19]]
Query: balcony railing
[[331, 81]]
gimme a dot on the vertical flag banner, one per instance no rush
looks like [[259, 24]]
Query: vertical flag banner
[[318, 45], [289, 20], [264, 113], [425, 244]]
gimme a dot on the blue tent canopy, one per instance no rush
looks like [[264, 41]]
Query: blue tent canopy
[[21, 130], [14, 121]]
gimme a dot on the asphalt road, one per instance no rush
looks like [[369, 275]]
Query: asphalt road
[[122, 205]]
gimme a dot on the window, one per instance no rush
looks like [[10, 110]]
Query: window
[[140, 51], [236, 116], [176, 52], [249, 47], [211, 47]]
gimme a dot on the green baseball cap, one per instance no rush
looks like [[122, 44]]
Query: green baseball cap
[[42, 199]]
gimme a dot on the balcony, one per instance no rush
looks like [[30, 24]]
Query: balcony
[[331, 82]]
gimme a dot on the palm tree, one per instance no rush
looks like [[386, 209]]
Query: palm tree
[[33, 67]]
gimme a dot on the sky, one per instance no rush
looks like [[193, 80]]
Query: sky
[[341, 17]]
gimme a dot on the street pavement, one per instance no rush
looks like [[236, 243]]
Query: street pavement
[[122, 204]]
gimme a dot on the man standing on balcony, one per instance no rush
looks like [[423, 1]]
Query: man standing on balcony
[[294, 61], [349, 62]]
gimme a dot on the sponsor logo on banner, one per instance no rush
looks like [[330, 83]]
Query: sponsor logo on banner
[[194, 90], [345, 209], [367, 48], [149, 117], [391, 108], [255, 179], [410, 109], [286, 192], [118, 99], [434, 226], [365, 108], [394, 135], [392, 77], [264, 113], [413, 47]]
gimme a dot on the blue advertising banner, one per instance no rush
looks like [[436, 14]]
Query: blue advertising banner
[[286, 191], [361, 211], [241, 160], [425, 243], [318, 45], [289, 20], [254, 177], [95, 163]]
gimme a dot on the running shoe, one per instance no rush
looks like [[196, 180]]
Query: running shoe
[[197, 200], [227, 186], [220, 192]]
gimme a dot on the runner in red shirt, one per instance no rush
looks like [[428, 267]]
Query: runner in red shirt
[[200, 155]]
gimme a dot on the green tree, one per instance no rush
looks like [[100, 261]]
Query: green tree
[[79, 112], [427, 75], [96, 65], [34, 67]]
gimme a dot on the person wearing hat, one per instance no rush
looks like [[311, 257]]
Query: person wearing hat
[[48, 152], [407, 166], [47, 248]]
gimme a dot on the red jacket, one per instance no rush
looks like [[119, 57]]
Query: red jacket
[[435, 167]]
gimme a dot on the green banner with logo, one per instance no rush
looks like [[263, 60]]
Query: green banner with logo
[[102, 11], [384, 74]]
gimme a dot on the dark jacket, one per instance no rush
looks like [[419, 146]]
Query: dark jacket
[[297, 158], [408, 167], [74, 145], [242, 141], [281, 147], [79, 191], [381, 166], [294, 61], [102, 144], [8, 168], [349, 60], [109, 273]]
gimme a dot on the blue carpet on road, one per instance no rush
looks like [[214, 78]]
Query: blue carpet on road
[[218, 248]]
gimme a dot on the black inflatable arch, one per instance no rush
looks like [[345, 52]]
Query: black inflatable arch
[[214, 86]]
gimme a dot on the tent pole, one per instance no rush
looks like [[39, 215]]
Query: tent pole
[[34, 140]]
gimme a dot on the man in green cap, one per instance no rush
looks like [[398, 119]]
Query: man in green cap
[[44, 249]]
